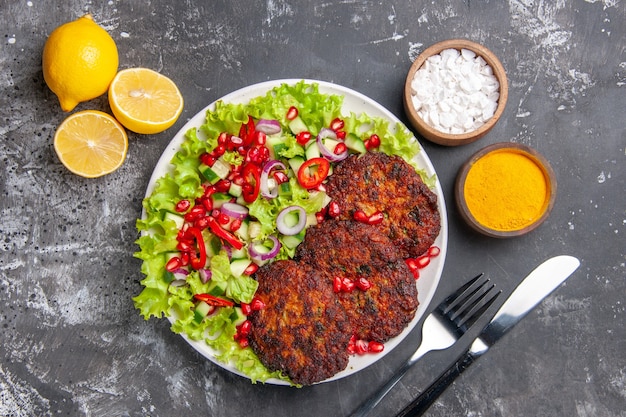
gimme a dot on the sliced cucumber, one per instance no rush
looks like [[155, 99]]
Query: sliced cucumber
[[297, 125], [219, 199], [284, 189], [217, 288], [234, 190], [294, 240], [295, 163], [179, 221], [276, 144], [312, 151], [237, 316], [201, 311], [218, 171], [238, 266], [354, 143], [213, 245]]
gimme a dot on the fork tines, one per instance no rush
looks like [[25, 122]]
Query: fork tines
[[469, 302]]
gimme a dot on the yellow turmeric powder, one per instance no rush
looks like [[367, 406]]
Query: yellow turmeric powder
[[506, 190]]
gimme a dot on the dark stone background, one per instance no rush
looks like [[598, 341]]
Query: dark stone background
[[71, 342]]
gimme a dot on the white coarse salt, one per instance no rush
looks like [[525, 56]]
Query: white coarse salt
[[455, 91]]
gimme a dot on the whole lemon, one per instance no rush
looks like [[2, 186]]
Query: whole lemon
[[79, 61]]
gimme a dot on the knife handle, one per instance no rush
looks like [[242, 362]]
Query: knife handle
[[419, 405]]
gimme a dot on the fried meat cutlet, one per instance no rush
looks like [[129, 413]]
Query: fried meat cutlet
[[303, 330], [356, 250], [378, 182]]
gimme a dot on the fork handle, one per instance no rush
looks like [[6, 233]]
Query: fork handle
[[419, 405]]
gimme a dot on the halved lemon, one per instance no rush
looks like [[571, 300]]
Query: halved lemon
[[91, 143], [144, 101]]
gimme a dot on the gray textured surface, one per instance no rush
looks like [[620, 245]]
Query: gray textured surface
[[71, 342]]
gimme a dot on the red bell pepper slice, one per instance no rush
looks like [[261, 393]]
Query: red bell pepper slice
[[213, 300], [247, 132], [312, 172], [252, 182], [223, 234], [197, 259]]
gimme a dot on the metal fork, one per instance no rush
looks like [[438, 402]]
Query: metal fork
[[441, 329]]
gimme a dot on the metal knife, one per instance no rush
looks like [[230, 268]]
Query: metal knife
[[531, 291]]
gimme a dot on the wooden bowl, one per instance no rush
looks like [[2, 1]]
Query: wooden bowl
[[533, 160], [440, 137]]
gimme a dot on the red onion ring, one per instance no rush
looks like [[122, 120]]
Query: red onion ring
[[329, 154], [205, 275], [269, 127], [262, 256], [234, 210], [287, 230], [265, 174]]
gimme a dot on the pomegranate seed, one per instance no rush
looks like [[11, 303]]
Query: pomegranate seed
[[242, 150], [184, 246], [208, 190], [292, 113], [235, 142], [184, 259], [173, 264], [223, 219], [251, 269], [238, 179], [320, 216], [207, 159], [352, 344], [235, 225], [246, 309], [219, 151], [222, 139], [341, 134], [222, 186], [182, 206], [361, 347], [337, 285], [333, 209], [244, 328], [422, 261], [373, 142], [243, 342], [207, 203], [337, 124], [340, 148], [375, 347], [410, 262], [303, 137], [347, 285], [363, 284], [195, 213], [202, 223], [434, 251], [376, 218], [360, 216], [257, 304]]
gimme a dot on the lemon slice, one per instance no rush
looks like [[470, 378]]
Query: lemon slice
[[91, 143], [144, 101]]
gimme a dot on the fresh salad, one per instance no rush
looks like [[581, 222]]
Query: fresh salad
[[242, 191]]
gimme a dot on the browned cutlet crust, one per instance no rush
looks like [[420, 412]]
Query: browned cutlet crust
[[353, 250], [378, 182], [303, 330]]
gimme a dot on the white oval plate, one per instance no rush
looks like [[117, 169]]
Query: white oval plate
[[353, 102]]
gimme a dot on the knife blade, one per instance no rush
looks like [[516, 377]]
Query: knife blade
[[541, 282]]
